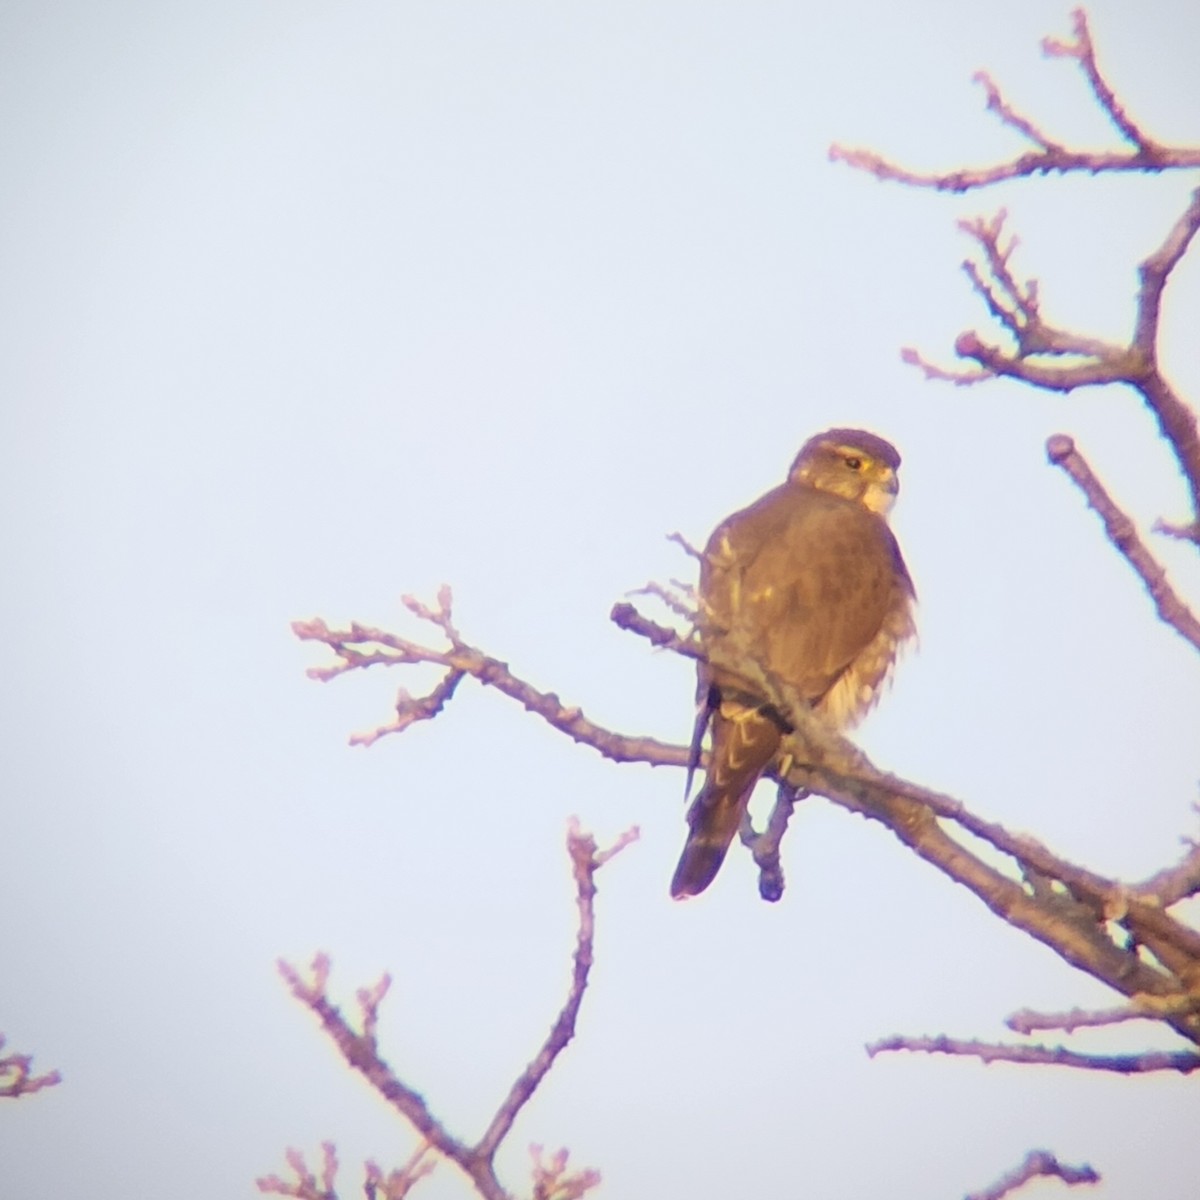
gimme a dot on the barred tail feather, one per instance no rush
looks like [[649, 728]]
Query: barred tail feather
[[745, 740], [707, 844]]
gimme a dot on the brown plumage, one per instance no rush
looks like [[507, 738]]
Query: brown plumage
[[806, 587]]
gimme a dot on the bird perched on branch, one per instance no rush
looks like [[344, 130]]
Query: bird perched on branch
[[805, 593]]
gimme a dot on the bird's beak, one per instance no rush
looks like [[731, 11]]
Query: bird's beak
[[880, 493]]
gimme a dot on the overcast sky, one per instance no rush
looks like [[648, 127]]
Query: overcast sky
[[306, 305]]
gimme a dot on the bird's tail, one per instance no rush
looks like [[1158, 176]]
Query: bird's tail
[[745, 740], [708, 841]]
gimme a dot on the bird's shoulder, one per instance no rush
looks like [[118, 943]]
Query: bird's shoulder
[[791, 512]]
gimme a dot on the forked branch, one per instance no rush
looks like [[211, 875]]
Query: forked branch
[[362, 646], [358, 1045], [1069, 909], [1127, 936], [1049, 156], [1049, 356]]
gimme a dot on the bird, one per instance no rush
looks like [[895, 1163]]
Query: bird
[[805, 588]]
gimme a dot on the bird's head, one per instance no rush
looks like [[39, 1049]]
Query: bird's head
[[850, 463]]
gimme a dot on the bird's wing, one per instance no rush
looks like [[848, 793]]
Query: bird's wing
[[799, 583]]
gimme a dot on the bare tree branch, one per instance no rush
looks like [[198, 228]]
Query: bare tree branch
[[305, 1185], [764, 847], [989, 1052], [1140, 1008], [1070, 909], [1084, 52], [1051, 156], [1009, 116], [551, 1180], [585, 861], [1061, 451], [1155, 272], [387, 649], [397, 1184], [1172, 884], [1036, 1163], [1122, 935], [1071, 920], [17, 1078], [1070, 916], [360, 1049], [1093, 162], [626, 617], [1095, 362], [956, 376], [1015, 306]]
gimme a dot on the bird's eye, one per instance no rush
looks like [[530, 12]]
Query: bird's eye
[[854, 463]]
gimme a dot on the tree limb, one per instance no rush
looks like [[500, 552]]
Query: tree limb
[[989, 1052], [1015, 306], [387, 649], [1050, 156], [359, 1047], [1071, 917], [1061, 451]]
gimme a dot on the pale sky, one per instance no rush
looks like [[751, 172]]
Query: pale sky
[[306, 305]]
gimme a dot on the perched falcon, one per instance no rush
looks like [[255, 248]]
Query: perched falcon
[[807, 587]]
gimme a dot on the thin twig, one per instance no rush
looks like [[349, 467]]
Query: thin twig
[[686, 546], [1172, 884], [625, 616], [1176, 420], [410, 709], [1017, 307], [679, 597], [1036, 1163], [1156, 270], [17, 1078], [1140, 1008], [359, 1050], [956, 376], [1182, 1061], [585, 861], [551, 1180], [305, 1185], [764, 846], [1083, 51], [1061, 451], [1009, 116], [397, 1184], [1062, 162]]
